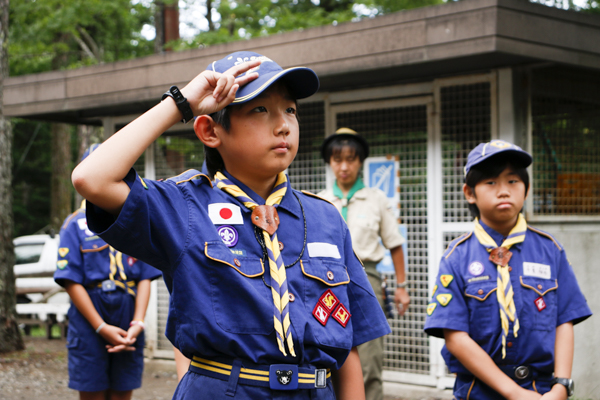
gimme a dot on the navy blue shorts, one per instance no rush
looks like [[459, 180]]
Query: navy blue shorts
[[467, 387], [91, 367]]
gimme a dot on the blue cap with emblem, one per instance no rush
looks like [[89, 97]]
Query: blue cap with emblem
[[484, 151], [301, 81], [89, 151]]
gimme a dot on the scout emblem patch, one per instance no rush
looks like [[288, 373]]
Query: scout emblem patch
[[329, 300], [444, 298], [476, 268], [61, 264], [63, 251], [321, 314], [540, 303], [228, 235], [446, 279], [225, 213], [434, 289], [341, 315], [430, 308]]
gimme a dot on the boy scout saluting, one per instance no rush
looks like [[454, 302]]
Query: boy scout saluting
[[269, 300], [506, 298]]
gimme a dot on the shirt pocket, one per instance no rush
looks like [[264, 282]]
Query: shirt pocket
[[482, 304], [322, 276], [241, 301], [539, 303]]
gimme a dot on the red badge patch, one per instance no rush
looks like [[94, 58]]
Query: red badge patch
[[342, 315], [131, 261], [321, 313], [540, 303], [328, 300]]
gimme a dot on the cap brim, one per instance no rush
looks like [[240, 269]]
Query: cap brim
[[301, 82]]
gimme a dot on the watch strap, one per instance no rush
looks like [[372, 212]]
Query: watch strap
[[566, 382], [181, 102]]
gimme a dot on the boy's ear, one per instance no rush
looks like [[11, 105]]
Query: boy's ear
[[206, 130], [469, 194]]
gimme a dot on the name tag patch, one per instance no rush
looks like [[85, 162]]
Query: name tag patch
[[318, 249], [536, 270], [225, 214]]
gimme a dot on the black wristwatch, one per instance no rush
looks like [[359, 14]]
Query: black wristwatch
[[181, 102], [568, 383]]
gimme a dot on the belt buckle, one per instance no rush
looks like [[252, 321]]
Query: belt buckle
[[521, 372], [108, 286], [283, 377], [320, 378]]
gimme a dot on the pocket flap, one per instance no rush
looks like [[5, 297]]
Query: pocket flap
[[249, 267], [540, 286], [330, 273], [480, 290]]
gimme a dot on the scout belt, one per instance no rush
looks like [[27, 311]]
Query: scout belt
[[522, 372], [275, 376], [109, 285]]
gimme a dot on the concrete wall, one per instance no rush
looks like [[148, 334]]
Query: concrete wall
[[582, 243]]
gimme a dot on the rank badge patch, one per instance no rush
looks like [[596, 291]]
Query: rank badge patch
[[446, 279], [328, 300], [540, 303], [321, 314], [63, 251], [61, 264], [430, 308], [341, 315], [434, 289], [444, 298], [131, 261]]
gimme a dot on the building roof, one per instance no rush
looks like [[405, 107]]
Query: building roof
[[419, 44]]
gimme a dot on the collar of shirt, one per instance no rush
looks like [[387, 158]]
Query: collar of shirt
[[288, 203], [498, 237], [337, 192]]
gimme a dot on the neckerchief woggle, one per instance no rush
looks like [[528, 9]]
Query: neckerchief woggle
[[279, 288], [337, 192], [500, 256]]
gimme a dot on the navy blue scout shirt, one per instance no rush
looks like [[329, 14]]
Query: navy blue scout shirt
[[84, 258], [464, 299], [221, 304]]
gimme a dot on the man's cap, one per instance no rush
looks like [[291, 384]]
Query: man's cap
[[301, 81], [341, 134], [89, 151], [484, 151]]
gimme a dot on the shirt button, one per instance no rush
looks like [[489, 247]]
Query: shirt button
[[540, 287], [509, 344], [237, 262], [292, 297], [480, 291], [509, 269], [95, 246], [330, 275], [280, 246]]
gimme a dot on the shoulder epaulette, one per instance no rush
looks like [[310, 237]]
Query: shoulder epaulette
[[316, 196], [545, 234], [189, 175], [454, 244], [70, 217]]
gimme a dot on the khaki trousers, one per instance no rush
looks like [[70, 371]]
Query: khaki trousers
[[371, 353]]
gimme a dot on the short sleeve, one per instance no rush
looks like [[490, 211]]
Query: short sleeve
[[69, 265], [572, 305], [388, 229], [448, 308], [368, 320], [153, 225]]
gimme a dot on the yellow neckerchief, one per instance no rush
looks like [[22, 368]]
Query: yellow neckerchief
[[505, 292], [279, 287]]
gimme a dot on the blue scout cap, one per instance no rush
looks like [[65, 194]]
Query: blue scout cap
[[483, 151], [89, 150], [301, 81]]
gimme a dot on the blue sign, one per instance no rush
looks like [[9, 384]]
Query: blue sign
[[381, 175]]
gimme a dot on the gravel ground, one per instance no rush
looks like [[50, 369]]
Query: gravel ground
[[40, 372]]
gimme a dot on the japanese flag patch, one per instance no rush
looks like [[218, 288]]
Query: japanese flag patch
[[225, 214]]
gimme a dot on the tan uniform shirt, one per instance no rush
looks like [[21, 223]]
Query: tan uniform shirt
[[369, 218]]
